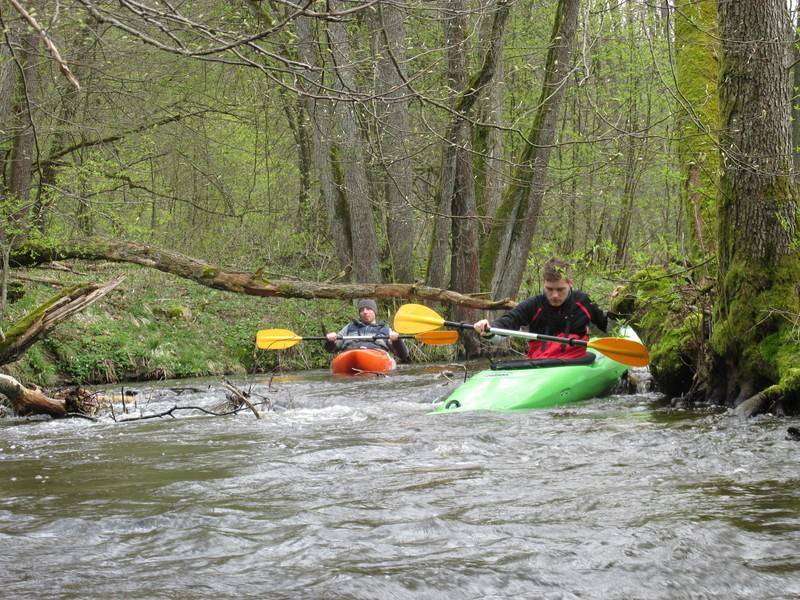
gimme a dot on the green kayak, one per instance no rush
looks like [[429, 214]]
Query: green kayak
[[520, 385]]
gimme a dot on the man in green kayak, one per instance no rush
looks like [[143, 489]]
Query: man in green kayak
[[367, 325], [560, 311]]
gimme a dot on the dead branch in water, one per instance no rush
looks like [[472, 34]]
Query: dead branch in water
[[241, 397], [27, 402]]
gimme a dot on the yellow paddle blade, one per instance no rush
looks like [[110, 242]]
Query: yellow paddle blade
[[276, 339], [416, 318], [627, 352], [440, 337]]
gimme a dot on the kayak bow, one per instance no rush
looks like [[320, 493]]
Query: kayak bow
[[362, 360]]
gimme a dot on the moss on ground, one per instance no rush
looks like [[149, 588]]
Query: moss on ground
[[157, 326]]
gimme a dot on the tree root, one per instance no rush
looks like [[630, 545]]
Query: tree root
[[767, 400]]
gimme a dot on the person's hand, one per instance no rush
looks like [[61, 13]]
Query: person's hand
[[331, 337], [481, 326], [394, 336]]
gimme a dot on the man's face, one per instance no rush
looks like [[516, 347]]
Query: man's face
[[367, 315], [556, 292]]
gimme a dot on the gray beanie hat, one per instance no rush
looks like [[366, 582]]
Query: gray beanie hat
[[367, 303]]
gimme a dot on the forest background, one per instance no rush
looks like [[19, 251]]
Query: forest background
[[452, 144]]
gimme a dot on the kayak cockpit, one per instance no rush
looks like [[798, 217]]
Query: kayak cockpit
[[542, 363]]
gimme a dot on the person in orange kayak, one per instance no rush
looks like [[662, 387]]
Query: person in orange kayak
[[561, 311], [368, 325]]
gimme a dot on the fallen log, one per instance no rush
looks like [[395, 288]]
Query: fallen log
[[38, 322], [253, 284], [27, 402]]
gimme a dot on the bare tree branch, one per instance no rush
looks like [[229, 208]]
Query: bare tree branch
[[63, 67]]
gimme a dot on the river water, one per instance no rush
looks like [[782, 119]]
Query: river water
[[351, 490]]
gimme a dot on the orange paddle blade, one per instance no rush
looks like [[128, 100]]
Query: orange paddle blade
[[416, 318], [439, 337], [627, 352]]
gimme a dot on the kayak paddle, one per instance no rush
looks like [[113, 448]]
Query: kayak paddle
[[417, 319], [280, 339]]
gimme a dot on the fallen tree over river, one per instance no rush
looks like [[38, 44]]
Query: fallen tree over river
[[253, 284]]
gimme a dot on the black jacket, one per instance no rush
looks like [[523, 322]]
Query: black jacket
[[357, 327], [571, 318]]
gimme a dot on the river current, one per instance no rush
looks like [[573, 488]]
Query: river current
[[350, 489]]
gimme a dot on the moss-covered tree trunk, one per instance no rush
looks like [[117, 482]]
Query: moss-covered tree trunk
[[505, 255], [696, 67], [253, 284], [457, 196], [23, 333], [758, 308]]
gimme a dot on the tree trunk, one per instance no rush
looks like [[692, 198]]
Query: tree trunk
[[24, 143], [317, 112], [696, 51], [65, 137], [759, 260], [297, 120], [489, 166], [393, 118], [623, 226], [457, 181], [27, 402], [455, 23], [24, 81], [354, 184], [9, 73], [796, 98], [504, 259]]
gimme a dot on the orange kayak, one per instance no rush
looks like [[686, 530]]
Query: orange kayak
[[362, 360]]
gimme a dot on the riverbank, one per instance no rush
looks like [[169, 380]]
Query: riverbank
[[157, 326]]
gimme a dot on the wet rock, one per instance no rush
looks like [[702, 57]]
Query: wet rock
[[793, 433]]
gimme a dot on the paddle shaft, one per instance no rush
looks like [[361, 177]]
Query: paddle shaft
[[358, 338], [523, 334]]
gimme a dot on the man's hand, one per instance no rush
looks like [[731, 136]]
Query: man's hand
[[331, 337], [482, 326], [394, 336]]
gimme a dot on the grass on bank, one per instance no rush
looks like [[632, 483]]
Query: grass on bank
[[158, 326]]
